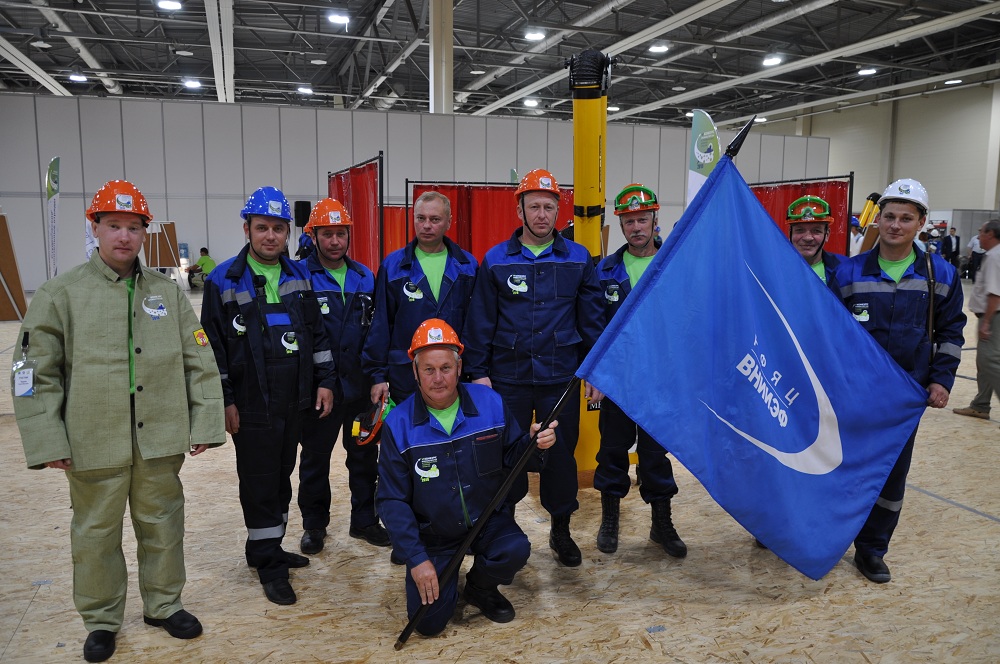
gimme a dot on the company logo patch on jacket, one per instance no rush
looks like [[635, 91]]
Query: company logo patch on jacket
[[412, 291], [860, 311], [427, 468], [324, 305], [200, 337], [154, 307], [517, 283], [238, 325], [611, 293], [290, 342]]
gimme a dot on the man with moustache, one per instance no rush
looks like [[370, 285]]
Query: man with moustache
[[636, 207], [266, 329]]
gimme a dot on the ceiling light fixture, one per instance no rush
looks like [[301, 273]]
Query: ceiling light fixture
[[760, 120], [317, 61], [613, 108], [305, 89], [678, 88], [531, 103], [765, 96], [169, 5], [192, 84], [909, 16], [77, 76], [534, 35], [183, 52], [338, 17], [477, 72], [771, 59], [689, 114], [953, 81], [659, 48], [867, 71], [41, 43]]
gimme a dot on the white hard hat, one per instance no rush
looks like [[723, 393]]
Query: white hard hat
[[906, 189]]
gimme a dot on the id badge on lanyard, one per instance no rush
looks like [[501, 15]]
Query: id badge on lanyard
[[22, 373]]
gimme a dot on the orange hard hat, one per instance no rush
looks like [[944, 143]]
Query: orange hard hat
[[328, 212], [119, 196], [537, 180], [434, 332], [809, 209]]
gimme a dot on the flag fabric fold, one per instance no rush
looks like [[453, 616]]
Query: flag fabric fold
[[741, 363]]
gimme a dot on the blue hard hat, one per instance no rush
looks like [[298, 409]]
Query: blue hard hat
[[855, 222], [267, 201]]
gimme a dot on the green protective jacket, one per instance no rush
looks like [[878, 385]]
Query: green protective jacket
[[78, 335]]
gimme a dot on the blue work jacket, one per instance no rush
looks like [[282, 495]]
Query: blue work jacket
[[230, 313], [403, 300], [896, 314], [615, 282], [433, 486], [533, 318], [347, 317]]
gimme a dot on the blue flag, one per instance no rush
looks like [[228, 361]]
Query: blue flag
[[741, 363]]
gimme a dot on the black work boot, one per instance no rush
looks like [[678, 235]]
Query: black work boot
[[663, 531], [607, 535], [481, 591], [562, 543]]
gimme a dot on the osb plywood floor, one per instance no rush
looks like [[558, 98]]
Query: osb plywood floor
[[728, 601]]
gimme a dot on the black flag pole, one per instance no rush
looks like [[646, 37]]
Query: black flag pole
[[734, 147], [456, 560]]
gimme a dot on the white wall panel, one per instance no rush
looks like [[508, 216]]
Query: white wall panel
[[184, 151], [669, 215], [370, 135], [532, 145], [142, 135], [748, 159], [501, 149], [298, 153], [818, 158], [403, 156], [261, 147], [470, 149], [560, 150], [772, 149], [25, 217], [101, 142], [72, 222], [645, 159], [618, 172], [225, 228], [793, 166], [59, 136], [20, 167], [224, 151], [189, 214], [863, 135], [672, 183], [335, 138], [437, 148]]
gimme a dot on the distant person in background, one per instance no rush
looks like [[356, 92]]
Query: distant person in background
[[201, 269], [857, 237], [306, 247], [975, 257], [951, 248]]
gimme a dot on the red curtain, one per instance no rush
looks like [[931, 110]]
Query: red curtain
[[357, 189], [776, 199], [396, 225]]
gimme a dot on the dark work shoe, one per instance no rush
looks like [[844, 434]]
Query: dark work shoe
[[99, 646], [663, 531], [490, 601], [293, 560], [181, 625], [280, 591], [312, 541], [396, 558], [562, 542], [374, 534], [872, 567], [607, 534]]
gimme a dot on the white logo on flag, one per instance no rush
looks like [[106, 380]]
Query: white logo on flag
[[824, 454]]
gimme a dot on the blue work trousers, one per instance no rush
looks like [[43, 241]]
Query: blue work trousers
[[618, 434], [557, 479], [501, 550], [877, 531]]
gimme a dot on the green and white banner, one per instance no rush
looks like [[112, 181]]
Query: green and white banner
[[52, 201], [705, 152]]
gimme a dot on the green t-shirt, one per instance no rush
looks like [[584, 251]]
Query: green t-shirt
[[446, 417], [270, 272], [537, 249], [895, 269], [130, 286], [636, 266], [206, 263], [820, 269], [340, 276], [433, 267]]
